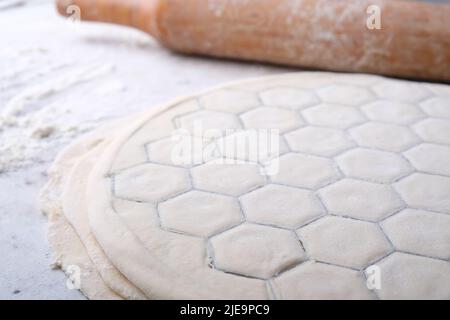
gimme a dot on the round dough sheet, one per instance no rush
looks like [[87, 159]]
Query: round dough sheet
[[298, 186]]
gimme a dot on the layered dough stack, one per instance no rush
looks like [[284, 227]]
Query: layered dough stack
[[358, 208]]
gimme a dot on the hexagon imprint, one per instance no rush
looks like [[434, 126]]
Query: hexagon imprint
[[186, 151], [319, 141], [229, 179], [249, 145], [401, 91], [272, 118], [392, 111], [205, 120], [151, 182], [199, 213], [288, 97], [345, 95], [281, 206], [430, 158], [256, 251], [360, 199], [426, 191], [420, 232], [374, 165], [384, 136], [434, 130], [229, 101], [311, 280], [333, 116], [345, 242], [304, 171], [437, 107], [401, 273]]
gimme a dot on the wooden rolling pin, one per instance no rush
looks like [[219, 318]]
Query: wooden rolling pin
[[413, 42]]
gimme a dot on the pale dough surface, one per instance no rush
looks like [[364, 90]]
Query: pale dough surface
[[363, 182], [69, 233], [67, 245]]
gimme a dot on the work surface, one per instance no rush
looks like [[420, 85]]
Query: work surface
[[57, 81]]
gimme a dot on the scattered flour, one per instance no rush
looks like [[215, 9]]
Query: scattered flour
[[34, 118], [15, 106]]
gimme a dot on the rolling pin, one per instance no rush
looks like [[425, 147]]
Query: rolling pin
[[412, 39]]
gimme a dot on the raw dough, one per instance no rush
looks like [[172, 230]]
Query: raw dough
[[352, 192]]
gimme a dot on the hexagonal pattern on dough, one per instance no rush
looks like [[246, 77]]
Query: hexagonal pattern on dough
[[401, 91], [438, 107], [256, 251], [181, 151], [345, 94], [288, 98], [345, 242], [421, 232], [151, 182], [228, 179], [360, 199], [405, 276], [272, 118], [333, 116], [384, 136], [251, 145], [305, 171], [424, 191], [315, 280], [430, 158], [199, 122], [220, 101], [434, 130], [199, 213], [281, 206], [364, 177], [319, 141], [373, 165], [393, 111]]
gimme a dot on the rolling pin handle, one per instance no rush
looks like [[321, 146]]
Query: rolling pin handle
[[133, 13]]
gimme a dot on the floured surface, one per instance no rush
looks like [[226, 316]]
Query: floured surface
[[362, 185]]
